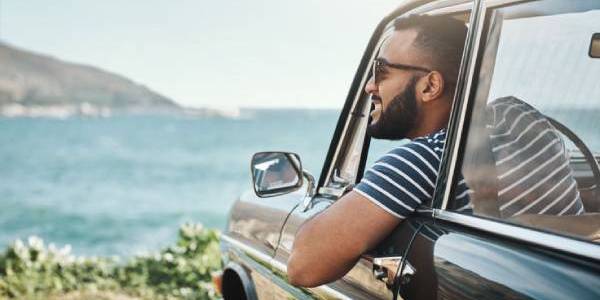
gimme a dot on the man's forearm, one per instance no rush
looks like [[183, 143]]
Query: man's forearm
[[327, 246], [308, 265]]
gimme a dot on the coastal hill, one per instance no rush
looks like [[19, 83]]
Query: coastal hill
[[33, 84]]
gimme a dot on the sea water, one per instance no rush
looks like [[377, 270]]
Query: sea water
[[123, 185]]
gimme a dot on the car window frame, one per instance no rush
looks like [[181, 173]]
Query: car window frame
[[356, 93], [342, 131], [358, 108], [458, 7], [570, 245], [351, 142]]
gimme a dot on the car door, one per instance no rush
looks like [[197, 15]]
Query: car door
[[527, 247], [347, 158], [250, 238], [256, 243]]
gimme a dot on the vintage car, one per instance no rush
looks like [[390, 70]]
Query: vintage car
[[544, 54]]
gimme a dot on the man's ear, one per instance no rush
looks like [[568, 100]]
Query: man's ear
[[431, 86]]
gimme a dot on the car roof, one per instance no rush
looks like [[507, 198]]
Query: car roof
[[426, 5]]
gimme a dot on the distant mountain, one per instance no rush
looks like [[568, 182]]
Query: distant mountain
[[35, 84]]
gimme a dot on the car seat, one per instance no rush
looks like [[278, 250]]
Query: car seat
[[517, 163]]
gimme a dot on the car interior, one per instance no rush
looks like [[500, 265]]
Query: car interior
[[521, 64]]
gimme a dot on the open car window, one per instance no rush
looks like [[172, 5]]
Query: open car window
[[380, 147], [532, 146]]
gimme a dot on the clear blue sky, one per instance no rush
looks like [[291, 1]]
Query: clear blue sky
[[222, 54]]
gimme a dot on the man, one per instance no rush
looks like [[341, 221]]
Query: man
[[412, 88]]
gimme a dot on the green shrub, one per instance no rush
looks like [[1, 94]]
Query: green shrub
[[180, 271]]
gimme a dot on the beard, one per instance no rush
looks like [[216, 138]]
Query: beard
[[399, 118]]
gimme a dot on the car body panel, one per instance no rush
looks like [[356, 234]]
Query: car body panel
[[454, 262], [359, 283]]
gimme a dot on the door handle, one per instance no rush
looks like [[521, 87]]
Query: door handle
[[385, 268]]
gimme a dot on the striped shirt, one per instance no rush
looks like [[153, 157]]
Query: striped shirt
[[404, 178], [532, 164]]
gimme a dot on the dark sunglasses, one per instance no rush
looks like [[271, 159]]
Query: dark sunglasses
[[379, 65]]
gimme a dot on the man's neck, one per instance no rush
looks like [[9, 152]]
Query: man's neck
[[425, 131]]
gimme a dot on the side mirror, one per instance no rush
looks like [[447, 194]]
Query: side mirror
[[595, 46], [276, 173]]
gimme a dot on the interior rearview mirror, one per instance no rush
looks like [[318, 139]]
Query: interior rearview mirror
[[276, 173]]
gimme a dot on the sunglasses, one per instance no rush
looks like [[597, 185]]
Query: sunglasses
[[379, 65]]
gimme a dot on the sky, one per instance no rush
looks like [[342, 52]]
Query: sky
[[216, 54]]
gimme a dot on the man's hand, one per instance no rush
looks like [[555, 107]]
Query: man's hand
[[327, 246]]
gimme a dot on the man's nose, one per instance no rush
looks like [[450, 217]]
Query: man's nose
[[371, 87]]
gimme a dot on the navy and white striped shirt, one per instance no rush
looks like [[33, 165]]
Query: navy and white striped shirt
[[404, 178], [532, 163]]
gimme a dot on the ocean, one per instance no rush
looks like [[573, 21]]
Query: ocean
[[122, 185]]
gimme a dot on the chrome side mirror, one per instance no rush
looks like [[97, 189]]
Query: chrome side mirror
[[595, 46], [276, 173]]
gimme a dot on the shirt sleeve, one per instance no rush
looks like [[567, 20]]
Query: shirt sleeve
[[402, 179]]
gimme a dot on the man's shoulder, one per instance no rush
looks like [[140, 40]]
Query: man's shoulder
[[429, 145], [404, 178]]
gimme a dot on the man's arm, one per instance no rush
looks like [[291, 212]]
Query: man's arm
[[327, 246]]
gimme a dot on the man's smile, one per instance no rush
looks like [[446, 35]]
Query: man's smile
[[377, 108]]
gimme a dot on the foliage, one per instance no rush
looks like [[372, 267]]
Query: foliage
[[180, 271]]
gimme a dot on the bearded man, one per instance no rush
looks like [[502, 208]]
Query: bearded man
[[412, 87]]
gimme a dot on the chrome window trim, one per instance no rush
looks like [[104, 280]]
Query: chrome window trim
[[463, 97], [275, 264], [443, 7], [523, 234], [248, 249], [436, 7], [454, 6], [357, 98], [496, 3]]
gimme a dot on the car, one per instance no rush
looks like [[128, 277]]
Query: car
[[541, 55]]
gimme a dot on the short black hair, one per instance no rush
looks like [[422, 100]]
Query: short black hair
[[442, 37]]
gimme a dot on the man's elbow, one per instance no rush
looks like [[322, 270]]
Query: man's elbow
[[300, 273]]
